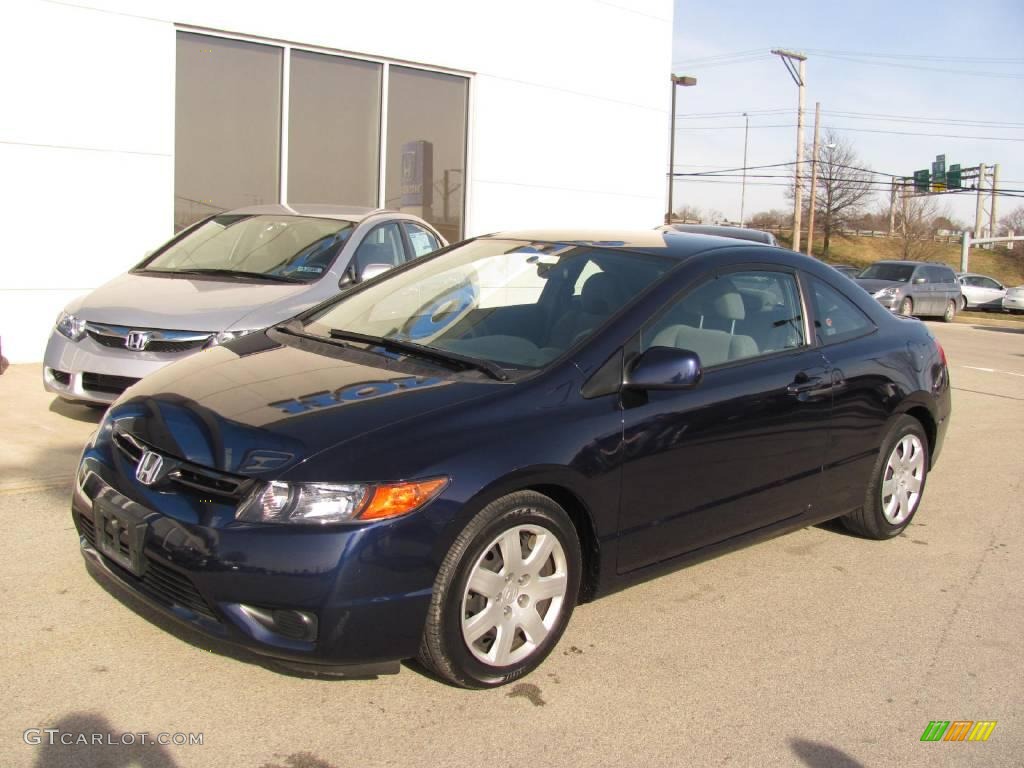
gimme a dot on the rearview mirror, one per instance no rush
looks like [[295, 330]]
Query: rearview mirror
[[664, 368], [920, 280]]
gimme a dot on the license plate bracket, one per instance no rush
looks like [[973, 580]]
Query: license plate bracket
[[119, 535]]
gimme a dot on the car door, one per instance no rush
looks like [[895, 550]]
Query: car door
[[946, 288], [991, 292], [848, 340], [743, 449], [921, 291]]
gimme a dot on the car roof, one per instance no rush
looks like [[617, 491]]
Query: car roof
[[915, 263], [316, 210], [679, 245], [739, 233]]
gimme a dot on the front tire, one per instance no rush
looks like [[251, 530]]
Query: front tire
[[897, 483], [907, 307], [504, 593]]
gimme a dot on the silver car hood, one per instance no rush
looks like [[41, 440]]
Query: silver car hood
[[200, 304]]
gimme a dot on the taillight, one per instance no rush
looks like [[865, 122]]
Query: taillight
[[942, 353]]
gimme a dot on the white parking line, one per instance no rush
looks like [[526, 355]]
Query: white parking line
[[992, 370]]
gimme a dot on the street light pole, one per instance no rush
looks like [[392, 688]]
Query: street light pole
[[743, 188], [676, 80], [797, 72]]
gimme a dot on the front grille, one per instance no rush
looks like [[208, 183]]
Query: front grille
[[106, 383], [209, 482], [114, 336], [174, 588], [61, 377]]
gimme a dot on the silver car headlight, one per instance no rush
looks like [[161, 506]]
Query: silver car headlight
[[70, 326], [225, 336], [324, 503], [892, 290]]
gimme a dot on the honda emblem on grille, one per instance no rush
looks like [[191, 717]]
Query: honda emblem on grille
[[137, 340], [150, 468]]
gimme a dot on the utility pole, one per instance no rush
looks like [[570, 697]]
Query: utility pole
[[814, 180], [978, 233], [743, 188], [676, 80], [992, 220], [892, 207], [797, 72]]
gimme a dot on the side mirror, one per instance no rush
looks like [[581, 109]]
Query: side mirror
[[920, 280], [664, 368], [372, 270]]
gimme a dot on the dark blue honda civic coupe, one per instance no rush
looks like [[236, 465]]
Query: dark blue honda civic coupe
[[442, 462]]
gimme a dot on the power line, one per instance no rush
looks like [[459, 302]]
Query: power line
[[873, 116], [918, 57], [855, 130]]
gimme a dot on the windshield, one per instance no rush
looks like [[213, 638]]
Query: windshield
[[299, 248], [898, 272], [513, 303]]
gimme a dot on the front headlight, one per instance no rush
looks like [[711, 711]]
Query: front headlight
[[70, 326], [323, 503], [225, 336], [892, 290]]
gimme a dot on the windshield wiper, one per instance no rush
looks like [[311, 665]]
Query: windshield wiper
[[228, 273], [420, 350]]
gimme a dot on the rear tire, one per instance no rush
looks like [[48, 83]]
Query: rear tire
[[897, 483], [907, 307], [950, 313], [504, 593]]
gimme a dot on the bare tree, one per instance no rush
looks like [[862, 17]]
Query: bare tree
[[772, 218], [1013, 222], [915, 225], [688, 214], [844, 185]]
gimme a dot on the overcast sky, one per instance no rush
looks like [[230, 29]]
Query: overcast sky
[[953, 68]]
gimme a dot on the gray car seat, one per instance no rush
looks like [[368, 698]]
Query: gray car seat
[[721, 306]]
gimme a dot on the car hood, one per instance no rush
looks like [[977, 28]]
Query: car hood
[[256, 408], [188, 304], [872, 285]]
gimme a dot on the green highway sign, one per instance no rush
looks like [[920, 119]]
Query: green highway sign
[[921, 181], [953, 180]]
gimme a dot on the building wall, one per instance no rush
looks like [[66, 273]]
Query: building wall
[[568, 121]]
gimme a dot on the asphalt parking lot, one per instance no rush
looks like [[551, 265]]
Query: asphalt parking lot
[[815, 649]]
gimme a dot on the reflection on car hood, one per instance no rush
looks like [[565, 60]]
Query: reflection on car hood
[[177, 303], [873, 285], [255, 408]]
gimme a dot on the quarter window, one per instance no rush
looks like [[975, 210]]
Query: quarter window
[[733, 317], [836, 318]]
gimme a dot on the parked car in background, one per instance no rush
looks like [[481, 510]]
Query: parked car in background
[[913, 288], [221, 278], [1013, 301], [980, 291], [846, 269], [739, 233], [442, 462]]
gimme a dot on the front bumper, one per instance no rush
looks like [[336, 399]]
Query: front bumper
[[368, 586], [85, 371], [892, 303]]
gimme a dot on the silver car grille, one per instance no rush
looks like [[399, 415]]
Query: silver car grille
[[145, 339]]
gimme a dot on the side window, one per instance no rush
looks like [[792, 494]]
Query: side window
[[944, 275], [382, 245], [589, 270], [421, 240], [922, 273], [987, 282], [732, 317], [836, 318]]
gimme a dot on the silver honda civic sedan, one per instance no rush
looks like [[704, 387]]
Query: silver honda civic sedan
[[221, 278]]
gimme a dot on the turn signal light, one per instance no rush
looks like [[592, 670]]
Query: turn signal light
[[396, 499]]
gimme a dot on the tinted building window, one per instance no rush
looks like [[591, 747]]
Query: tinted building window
[[426, 146], [333, 130], [227, 126]]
